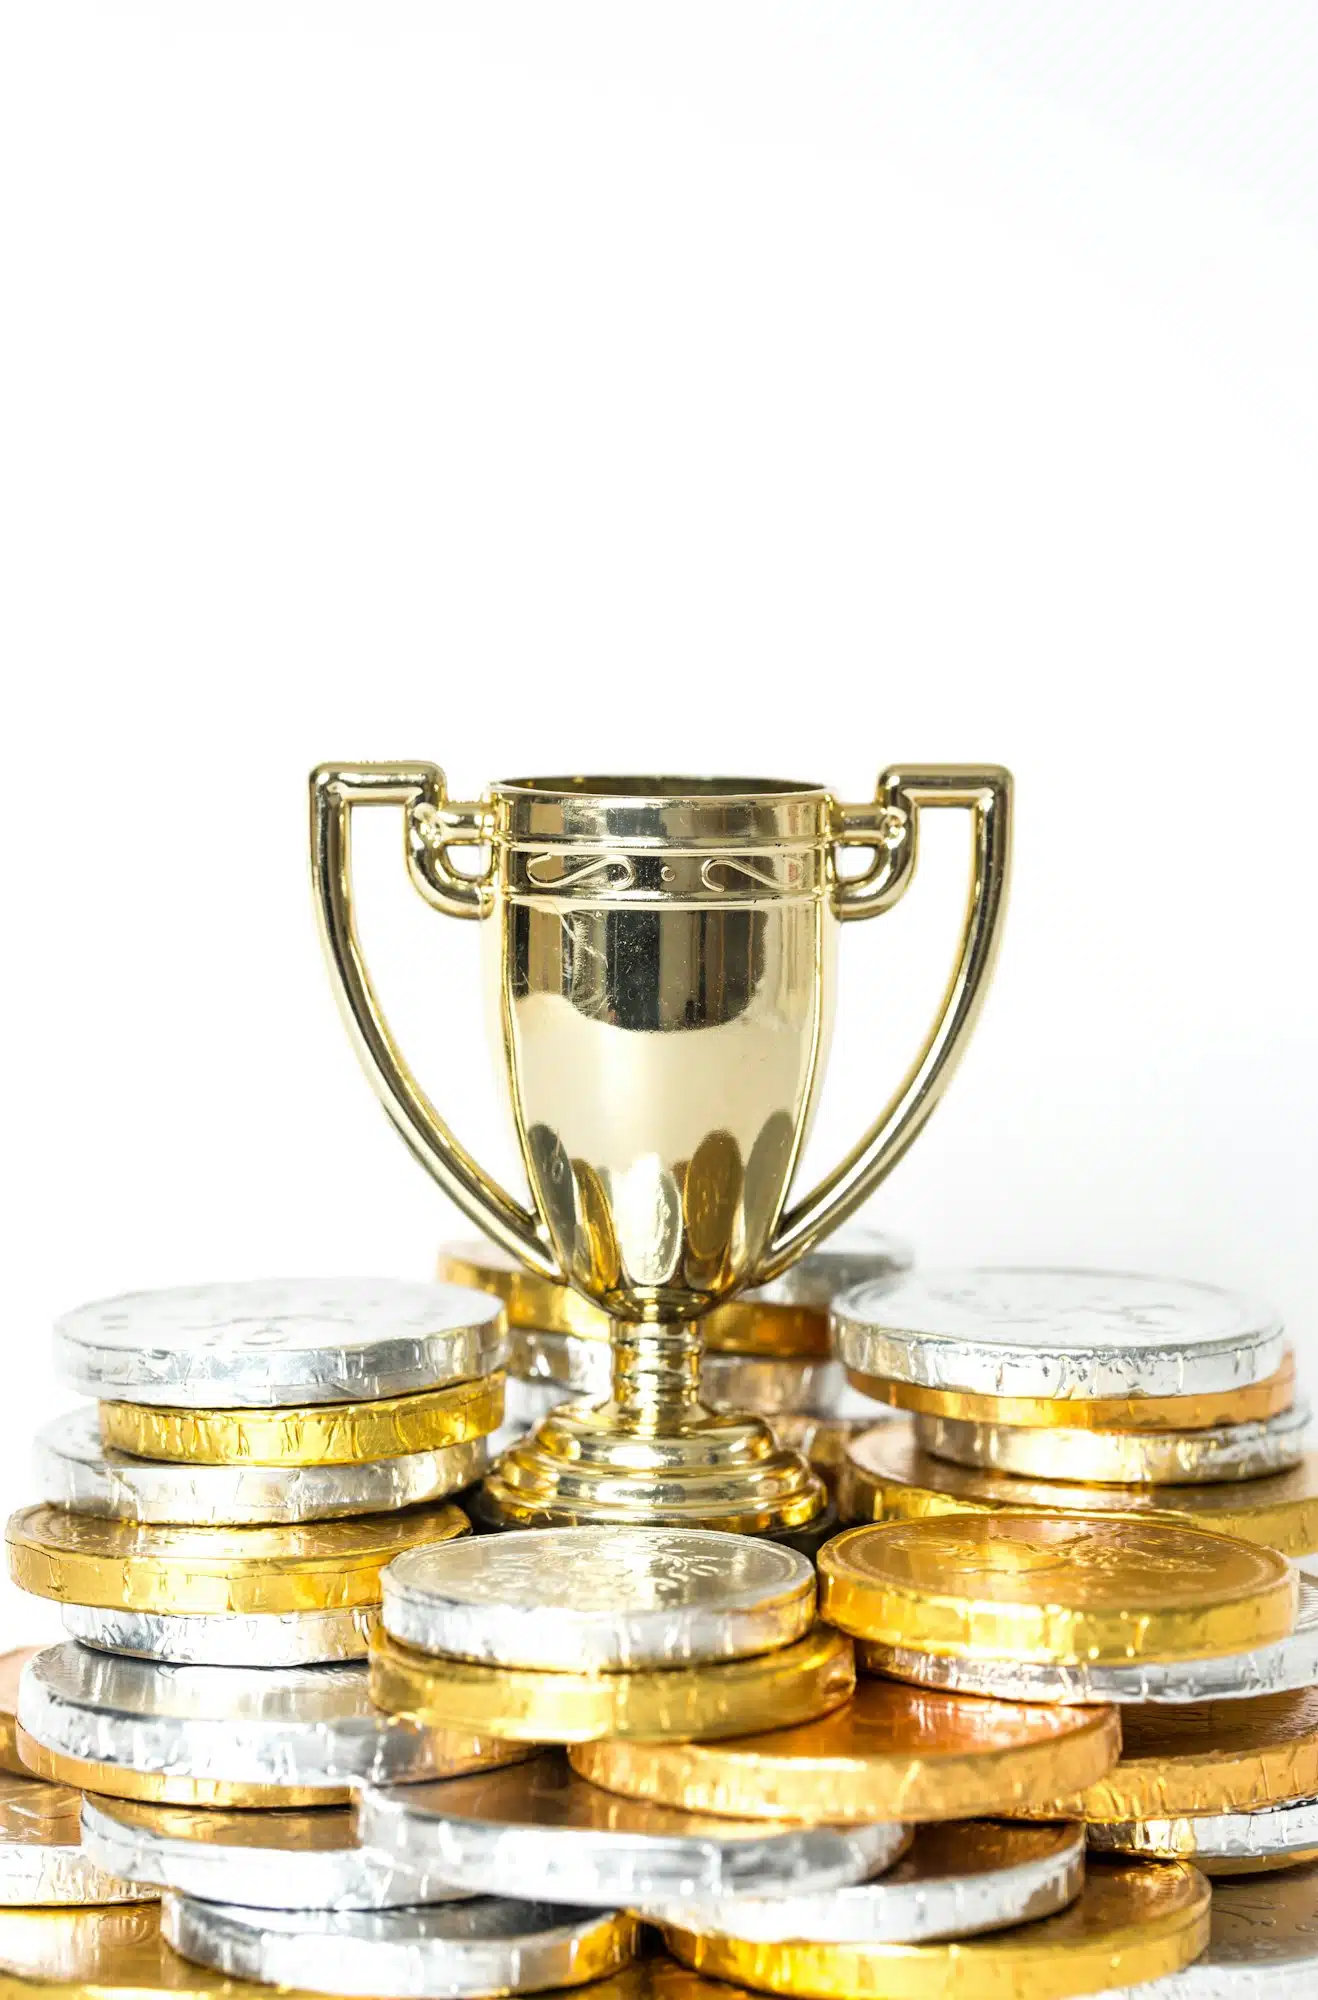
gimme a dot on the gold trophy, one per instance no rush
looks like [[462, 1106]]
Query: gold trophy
[[662, 958]]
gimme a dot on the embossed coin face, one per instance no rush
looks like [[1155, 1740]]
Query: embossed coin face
[[275, 1341], [540, 1822], [888, 1477], [1068, 1334], [1131, 1923], [1055, 1588], [891, 1752], [129, 1566], [600, 1599]]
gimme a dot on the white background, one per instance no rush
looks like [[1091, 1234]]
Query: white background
[[787, 388]]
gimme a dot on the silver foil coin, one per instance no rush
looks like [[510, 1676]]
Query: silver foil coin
[[456, 1951], [1287, 1663], [1122, 1458], [853, 1255], [225, 1638], [540, 1826], [285, 1860], [959, 1879], [43, 1860], [1269, 1836], [272, 1342], [290, 1726], [599, 1599], [76, 1470], [1038, 1333]]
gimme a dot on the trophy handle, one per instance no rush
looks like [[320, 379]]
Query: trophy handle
[[889, 826], [433, 825]]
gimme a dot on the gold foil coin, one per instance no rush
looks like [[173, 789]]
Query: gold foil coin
[[110, 1954], [316, 1434], [535, 1705], [1055, 1589], [11, 1667], [1205, 1757], [132, 1566], [1255, 1402], [745, 1325], [172, 1788], [1130, 1923], [887, 1477], [892, 1752]]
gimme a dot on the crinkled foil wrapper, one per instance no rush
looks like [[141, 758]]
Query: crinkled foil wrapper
[[226, 1638], [1058, 1334], [911, 1906], [1270, 1833], [608, 1864], [294, 1727], [75, 1470], [42, 1859], [1122, 1458], [1287, 1664], [284, 1861], [462, 1951], [264, 1343]]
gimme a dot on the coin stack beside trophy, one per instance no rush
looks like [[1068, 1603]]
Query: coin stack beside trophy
[[632, 1702]]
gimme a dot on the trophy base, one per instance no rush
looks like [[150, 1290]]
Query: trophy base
[[589, 1464]]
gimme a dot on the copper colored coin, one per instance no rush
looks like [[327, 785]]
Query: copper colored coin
[[892, 1752]]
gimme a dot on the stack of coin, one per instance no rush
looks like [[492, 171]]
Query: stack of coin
[[1079, 1392], [766, 1352]]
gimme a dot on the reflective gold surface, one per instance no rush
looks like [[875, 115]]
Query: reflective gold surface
[[888, 1477], [11, 1666], [739, 1326], [1253, 1403], [892, 1752], [1132, 1922], [86, 1954], [529, 1706], [318, 1434], [661, 954], [174, 1788], [130, 1566], [309, 1830], [823, 1441], [1207, 1757], [1061, 1589]]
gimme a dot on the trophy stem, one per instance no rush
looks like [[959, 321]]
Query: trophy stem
[[656, 1374]]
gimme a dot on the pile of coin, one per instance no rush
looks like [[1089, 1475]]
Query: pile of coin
[[767, 1352]]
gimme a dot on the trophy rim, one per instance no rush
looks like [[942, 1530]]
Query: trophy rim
[[651, 789]]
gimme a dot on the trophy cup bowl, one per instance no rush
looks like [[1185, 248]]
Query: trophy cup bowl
[[661, 954]]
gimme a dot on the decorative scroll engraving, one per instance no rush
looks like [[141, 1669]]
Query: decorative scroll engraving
[[613, 871]]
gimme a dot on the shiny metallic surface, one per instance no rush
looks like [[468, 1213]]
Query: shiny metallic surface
[[598, 1600], [527, 1705], [93, 1954], [1059, 1334], [661, 953], [1060, 1588], [1131, 1922], [226, 1638], [1288, 1663], [562, 1365], [887, 1477], [890, 1753], [1269, 1837], [309, 1860], [76, 1470], [853, 1255], [1263, 1944], [959, 1879], [298, 1727], [455, 1951], [1253, 1404], [42, 1856], [133, 1566], [273, 1341], [311, 1433], [11, 1670], [1123, 1458], [542, 1827]]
